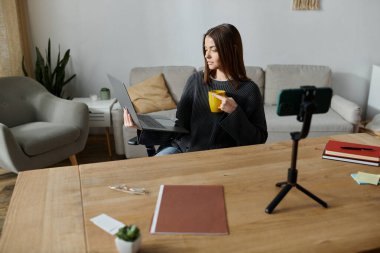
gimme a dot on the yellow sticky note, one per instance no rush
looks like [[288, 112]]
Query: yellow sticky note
[[368, 178]]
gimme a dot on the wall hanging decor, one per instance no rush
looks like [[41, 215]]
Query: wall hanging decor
[[306, 5]]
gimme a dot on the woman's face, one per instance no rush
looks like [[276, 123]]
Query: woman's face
[[211, 54]]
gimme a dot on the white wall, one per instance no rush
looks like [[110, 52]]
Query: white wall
[[114, 36]]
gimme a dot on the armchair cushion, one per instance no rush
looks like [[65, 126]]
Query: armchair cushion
[[151, 95], [39, 137]]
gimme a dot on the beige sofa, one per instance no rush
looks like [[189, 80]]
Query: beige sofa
[[343, 116]]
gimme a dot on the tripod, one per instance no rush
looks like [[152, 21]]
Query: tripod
[[305, 114]]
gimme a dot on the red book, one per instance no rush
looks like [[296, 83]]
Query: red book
[[352, 150], [190, 209], [351, 160]]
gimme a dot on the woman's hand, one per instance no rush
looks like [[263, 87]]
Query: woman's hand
[[228, 104], [128, 121]]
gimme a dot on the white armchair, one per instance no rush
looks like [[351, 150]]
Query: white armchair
[[38, 129]]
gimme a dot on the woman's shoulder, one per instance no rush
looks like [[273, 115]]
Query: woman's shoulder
[[194, 82], [248, 85], [196, 77], [199, 74]]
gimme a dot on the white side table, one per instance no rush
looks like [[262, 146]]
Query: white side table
[[100, 115]]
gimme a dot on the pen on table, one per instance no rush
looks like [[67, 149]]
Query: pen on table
[[358, 148]]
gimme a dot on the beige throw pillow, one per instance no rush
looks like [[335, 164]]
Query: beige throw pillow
[[151, 95]]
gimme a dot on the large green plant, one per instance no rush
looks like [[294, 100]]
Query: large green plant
[[53, 78]]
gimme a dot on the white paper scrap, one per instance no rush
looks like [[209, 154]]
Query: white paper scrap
[[107, 223]]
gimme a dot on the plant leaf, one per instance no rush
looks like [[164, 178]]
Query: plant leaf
[[68, 80], [39, 66], [49, 54], [52, 78], [23, 67]]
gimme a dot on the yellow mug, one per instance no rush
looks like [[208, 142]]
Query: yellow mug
[[213, 101]]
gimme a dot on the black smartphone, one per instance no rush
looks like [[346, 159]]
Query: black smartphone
[[289, 100]]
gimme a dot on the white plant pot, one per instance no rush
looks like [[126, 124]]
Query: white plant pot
[[128, 247]]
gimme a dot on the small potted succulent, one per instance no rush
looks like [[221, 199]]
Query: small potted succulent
[[128, 239]]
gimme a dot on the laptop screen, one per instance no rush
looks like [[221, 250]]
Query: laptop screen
[[121, 93]]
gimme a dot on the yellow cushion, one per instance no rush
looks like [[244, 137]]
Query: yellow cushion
[[151, 95]]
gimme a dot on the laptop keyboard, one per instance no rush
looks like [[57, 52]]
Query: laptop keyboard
[[149, 121]]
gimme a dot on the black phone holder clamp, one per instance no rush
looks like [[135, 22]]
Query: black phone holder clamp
[[305, 114]]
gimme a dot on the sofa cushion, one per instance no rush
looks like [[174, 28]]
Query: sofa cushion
[[175, 77], [279, 77], [40, 137], [169, 114], [151, 95], [319, 123], [256, 74]]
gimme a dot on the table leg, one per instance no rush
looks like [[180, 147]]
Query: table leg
[[73, 160]]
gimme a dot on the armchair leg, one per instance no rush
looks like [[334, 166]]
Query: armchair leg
[[73, 160]]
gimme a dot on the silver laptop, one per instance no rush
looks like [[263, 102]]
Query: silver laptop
[[142, 121]]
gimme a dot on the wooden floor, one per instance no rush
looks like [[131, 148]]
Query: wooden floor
[[95, 151]]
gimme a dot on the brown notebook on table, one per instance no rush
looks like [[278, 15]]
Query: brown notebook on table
[[352, 152], [190, 209]]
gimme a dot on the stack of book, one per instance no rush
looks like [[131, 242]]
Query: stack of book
[[352, 152]]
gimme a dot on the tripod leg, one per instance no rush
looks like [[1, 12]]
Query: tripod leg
[[272, 205], [281, 184], [311, 195]]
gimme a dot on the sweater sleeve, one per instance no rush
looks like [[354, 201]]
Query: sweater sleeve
[[247, 126]]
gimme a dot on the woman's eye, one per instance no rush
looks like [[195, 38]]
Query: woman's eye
[[212, 49]]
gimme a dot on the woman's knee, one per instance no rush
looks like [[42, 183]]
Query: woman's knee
[[168, 151]]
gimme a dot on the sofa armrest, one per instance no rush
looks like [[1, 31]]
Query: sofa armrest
[[132, 151], [347, 109], [53, 109], [128, 133]]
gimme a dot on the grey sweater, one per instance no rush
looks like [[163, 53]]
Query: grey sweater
[[245, 126]]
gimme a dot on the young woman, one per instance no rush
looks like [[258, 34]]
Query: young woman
[[242, 120]]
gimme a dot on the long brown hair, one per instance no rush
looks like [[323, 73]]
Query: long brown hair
[[230, 49]]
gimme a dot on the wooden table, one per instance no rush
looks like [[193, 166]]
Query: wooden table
[[48, 212]]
